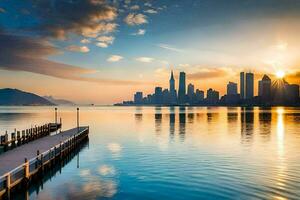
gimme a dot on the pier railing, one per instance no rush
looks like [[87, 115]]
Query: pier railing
[[36, 164], [18, 138]]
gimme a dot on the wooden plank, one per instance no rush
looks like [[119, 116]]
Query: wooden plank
[[15, 157]]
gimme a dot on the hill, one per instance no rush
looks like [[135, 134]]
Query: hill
[[15, 97]]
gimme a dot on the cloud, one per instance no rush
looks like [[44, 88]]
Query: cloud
[[102, 44], [2, 10], [140, 32], [105, 41], [85, 41], [150, 11], [114, 58], [30, 55], [82, 49], [170, 48], [144, 59], [135, 7], [88, 18], [135, 19]]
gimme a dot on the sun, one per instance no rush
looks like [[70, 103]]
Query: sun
[[280, 74]]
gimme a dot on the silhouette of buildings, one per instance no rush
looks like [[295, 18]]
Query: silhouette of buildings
[[277, 92], [182, 88], [264, 89], [249, 85]]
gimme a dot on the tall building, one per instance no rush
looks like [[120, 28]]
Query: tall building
[[172, 82], [249, 85], [212, 96], [191, 93], [232, 88], [264, 89], [173, 95], [158, 95], [182, 88], [199, 96], [138, 98], [242, 85]]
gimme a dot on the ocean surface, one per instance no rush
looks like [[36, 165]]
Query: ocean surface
[[172, 153]]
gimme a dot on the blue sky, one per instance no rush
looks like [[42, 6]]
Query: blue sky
[[117, 47]]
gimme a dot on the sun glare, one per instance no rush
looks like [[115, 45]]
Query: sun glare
[[280, 74]]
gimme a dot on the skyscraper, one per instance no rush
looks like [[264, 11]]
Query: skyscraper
[[158, 95], [172, 82], [242, 85], [173, 95], [191, 93], [138, 97], [249, 85], [212, 96], [231, 88], [182, 88], [264, 89]]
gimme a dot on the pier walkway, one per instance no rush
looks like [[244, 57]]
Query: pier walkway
[[24, 161]]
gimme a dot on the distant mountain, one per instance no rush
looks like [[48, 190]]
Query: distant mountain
[[59, 101], [14, 97]]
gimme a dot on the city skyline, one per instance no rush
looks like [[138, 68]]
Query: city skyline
[[118, 47], [270, 93]]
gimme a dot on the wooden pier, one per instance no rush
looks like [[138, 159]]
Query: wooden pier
[[18, 138], [20, 164]]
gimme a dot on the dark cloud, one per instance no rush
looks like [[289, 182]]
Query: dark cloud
[[58, 18], [22, 53]]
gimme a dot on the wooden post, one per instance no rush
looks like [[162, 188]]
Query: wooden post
[[26, 169], [8, 184]]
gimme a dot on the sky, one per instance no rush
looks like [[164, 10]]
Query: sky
[[101, 52]]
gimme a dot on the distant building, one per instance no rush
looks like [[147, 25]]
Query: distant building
[[199, 96], [182, 88], [138, 98], [232, 88], [264, 89], [242, 85], [212, 96], [191, 93], [158, 95], [249, 85], [292, 93], [172, 91], [166, 96]]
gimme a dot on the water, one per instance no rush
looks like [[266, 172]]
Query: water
[[173, 153]]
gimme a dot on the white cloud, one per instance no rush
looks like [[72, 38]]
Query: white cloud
[[169, 47], [135, 19], [140, 32], [98, 29], [150, 11], [144, 59], [114, 58], [135, 7], [105, 41], [2, 10], [82, 49], [127, 1], [85, 41], [102, 44], [148, 4]]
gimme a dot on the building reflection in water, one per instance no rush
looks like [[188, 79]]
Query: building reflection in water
[[138, 114], [247, 124], [172, 122], [232, 115], [212, 116], [265, 119], [182, 122], [158, 120], [190, 115]]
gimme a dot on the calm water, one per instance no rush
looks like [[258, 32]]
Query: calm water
[[174, 153]]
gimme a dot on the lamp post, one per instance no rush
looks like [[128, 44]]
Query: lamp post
[[55, 115], [78, 120]]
